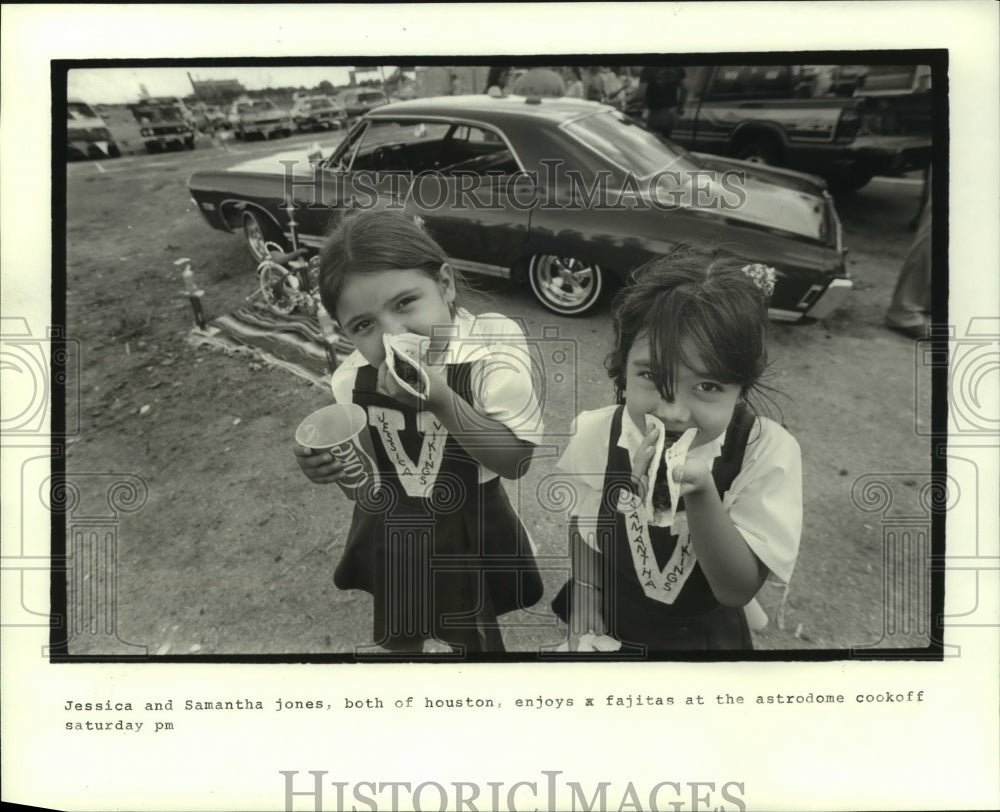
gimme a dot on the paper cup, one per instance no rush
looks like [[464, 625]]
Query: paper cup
[[339, 428]]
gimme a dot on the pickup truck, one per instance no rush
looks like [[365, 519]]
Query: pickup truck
[[767, 114]]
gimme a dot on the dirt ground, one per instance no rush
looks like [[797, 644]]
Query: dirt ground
[[232, 552]]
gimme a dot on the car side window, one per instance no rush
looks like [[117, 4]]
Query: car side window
[[478, 151], [400, 146], [752, 81]]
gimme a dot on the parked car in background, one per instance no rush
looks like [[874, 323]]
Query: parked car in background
[[358, 102], [312, 113], [533, 189], [768, 114], [87, 134], [259, 117], [164, 123]]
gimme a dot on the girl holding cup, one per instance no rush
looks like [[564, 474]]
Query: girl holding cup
[[451, 407]]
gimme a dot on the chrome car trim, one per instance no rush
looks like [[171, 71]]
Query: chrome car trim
[[776, 314], [810, 297], [834, 296], [480, 267]]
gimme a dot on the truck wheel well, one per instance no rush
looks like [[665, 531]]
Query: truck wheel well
[[758, 144]]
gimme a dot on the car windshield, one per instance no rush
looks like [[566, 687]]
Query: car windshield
[[320, 104], [369, 97], [629, 144]]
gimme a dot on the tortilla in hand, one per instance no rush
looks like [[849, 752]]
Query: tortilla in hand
[[401, 354], [670, 452]]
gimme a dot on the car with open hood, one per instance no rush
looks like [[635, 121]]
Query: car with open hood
[[565, 194]]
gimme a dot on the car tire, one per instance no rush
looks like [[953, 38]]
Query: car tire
[[258, 232], [759, 149], [565, 285], [189, 142]]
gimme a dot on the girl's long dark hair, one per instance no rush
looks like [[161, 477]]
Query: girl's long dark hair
[[704, 298]]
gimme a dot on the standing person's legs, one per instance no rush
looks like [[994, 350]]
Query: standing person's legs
[[662, 120], [911, 300]]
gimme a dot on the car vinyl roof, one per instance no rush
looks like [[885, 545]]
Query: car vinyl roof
[[489, 108]]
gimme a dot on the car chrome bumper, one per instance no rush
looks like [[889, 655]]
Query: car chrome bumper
[[832, 298]]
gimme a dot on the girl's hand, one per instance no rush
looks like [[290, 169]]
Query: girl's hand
[[319, 466], [693, 475], [643, 457]]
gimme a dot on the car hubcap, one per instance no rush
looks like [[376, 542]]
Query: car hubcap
[[255, 239], [567, 282]]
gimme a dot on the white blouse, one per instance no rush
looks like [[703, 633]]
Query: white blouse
[[501, 374], [764, 501]]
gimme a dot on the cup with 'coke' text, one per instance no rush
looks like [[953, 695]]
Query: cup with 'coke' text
[[341, 429]]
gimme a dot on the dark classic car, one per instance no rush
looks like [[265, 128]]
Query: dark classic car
[[564, 193]]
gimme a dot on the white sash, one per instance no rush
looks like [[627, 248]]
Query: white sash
[[417, 477], [660, 585]]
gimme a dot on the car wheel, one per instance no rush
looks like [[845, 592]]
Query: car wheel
[[759, 149], [565, 285], [259, 232], [189, 142]]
